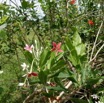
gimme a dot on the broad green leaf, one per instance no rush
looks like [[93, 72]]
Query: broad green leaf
[[81, 49], [63, 75], [42, 77], [44, 57], [76, 39], [49, 63], [51, 60], [59, 56], [83, 59], [69, 44], [74, 58], [66, 75], [58, 65], [56, 73]]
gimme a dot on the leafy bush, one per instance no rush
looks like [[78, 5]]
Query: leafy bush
[[53, 52]]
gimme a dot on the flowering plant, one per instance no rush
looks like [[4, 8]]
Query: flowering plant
[[51, 51]]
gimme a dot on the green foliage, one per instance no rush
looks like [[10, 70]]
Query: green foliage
[[3, 19], [47, 72], [43, 77], [75, 100]]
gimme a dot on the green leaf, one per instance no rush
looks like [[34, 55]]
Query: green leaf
[[72, 79], [66, 75], [74, 58], [56, 73], [81, 49], [69, 44], [28, 56], [63, 75], [3, 19], [57, 80], [44, 57], [59, 56], [49, 63], [76, 100], [58, 65], [76, 39], [83, 59], [42, 77]]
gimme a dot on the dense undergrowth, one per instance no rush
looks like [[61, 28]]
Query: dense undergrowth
[[52, 56]]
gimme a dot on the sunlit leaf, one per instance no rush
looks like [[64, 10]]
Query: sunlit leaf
[[3, 19], [76, 39]]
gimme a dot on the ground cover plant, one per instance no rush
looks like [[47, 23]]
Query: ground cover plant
[[52, 51]]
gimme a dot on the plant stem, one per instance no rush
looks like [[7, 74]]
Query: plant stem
[[97, 53], [96, 41]]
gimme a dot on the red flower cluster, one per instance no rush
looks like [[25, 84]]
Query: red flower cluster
[[56, 47], [90, 22], [32, 74], [72, 2]]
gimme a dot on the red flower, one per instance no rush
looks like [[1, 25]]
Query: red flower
[[56, 47], [32, 74], [90, 22], [72, 2]]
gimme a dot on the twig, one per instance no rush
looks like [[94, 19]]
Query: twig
[[96, 41], [82, 16], [31, 96], [14, 4], [97, 53], [60, 95]]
